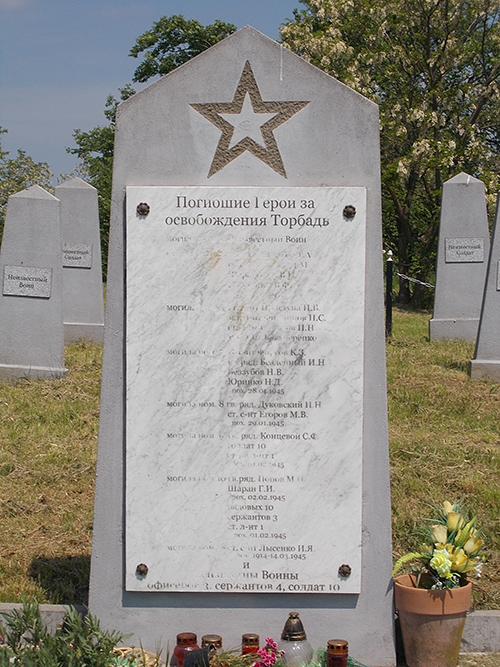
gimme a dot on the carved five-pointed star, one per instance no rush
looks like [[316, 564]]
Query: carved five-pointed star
[[247, 124]]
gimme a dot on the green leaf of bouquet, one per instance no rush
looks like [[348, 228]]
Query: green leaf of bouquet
[[406, 558], [464, 533]]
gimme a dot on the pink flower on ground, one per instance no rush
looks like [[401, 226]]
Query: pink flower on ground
[[268, 654]]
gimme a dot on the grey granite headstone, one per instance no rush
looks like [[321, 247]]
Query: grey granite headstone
[[31, 331], [83, 300], [243, 456], [486, 362], [463, 249]]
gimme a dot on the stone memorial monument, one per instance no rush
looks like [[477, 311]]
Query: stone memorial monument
[[464, 244], [243, 456], [31, 330], [486, 362], [83, 299]]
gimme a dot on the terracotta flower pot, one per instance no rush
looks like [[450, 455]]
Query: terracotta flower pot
[[432, 622]]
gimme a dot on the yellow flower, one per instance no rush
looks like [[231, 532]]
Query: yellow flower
[[459, 561], [441, 563], [455, 521], [451, 548], [439, 533], [448, 507], [472, 545]]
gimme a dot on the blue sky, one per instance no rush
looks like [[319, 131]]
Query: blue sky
[[60, 59]]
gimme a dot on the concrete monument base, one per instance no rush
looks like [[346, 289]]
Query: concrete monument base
[[449, 329], [75, 331], [13, 372], [484, 369]]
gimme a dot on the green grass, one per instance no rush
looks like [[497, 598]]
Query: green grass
[[444, 438], [444, 444], [48, 441]]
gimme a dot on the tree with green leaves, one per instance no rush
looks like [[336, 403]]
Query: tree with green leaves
[[433, 66], [19, 173], [170, 42]]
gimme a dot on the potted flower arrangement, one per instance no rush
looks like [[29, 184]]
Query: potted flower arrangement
[[432, 601]]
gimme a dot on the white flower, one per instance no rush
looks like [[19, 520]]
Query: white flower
[[402, 169]]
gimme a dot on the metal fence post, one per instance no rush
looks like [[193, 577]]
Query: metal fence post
[[388, 295]]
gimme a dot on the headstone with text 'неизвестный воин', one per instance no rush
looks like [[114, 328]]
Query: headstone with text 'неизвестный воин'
[[31, 330]]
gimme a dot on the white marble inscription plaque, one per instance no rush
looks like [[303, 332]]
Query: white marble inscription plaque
[[244, 390], [77, 255], [27, 281], [464, 250]]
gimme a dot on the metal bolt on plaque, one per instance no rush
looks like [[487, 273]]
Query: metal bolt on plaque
[[345, 570], [142, 570], [349, 212], [143, 208]]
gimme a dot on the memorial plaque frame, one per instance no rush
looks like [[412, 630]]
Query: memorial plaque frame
[[265, 278]]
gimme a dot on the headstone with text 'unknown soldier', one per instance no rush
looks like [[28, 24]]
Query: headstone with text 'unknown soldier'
[[31, 330], [464, 244], [83, 299]]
